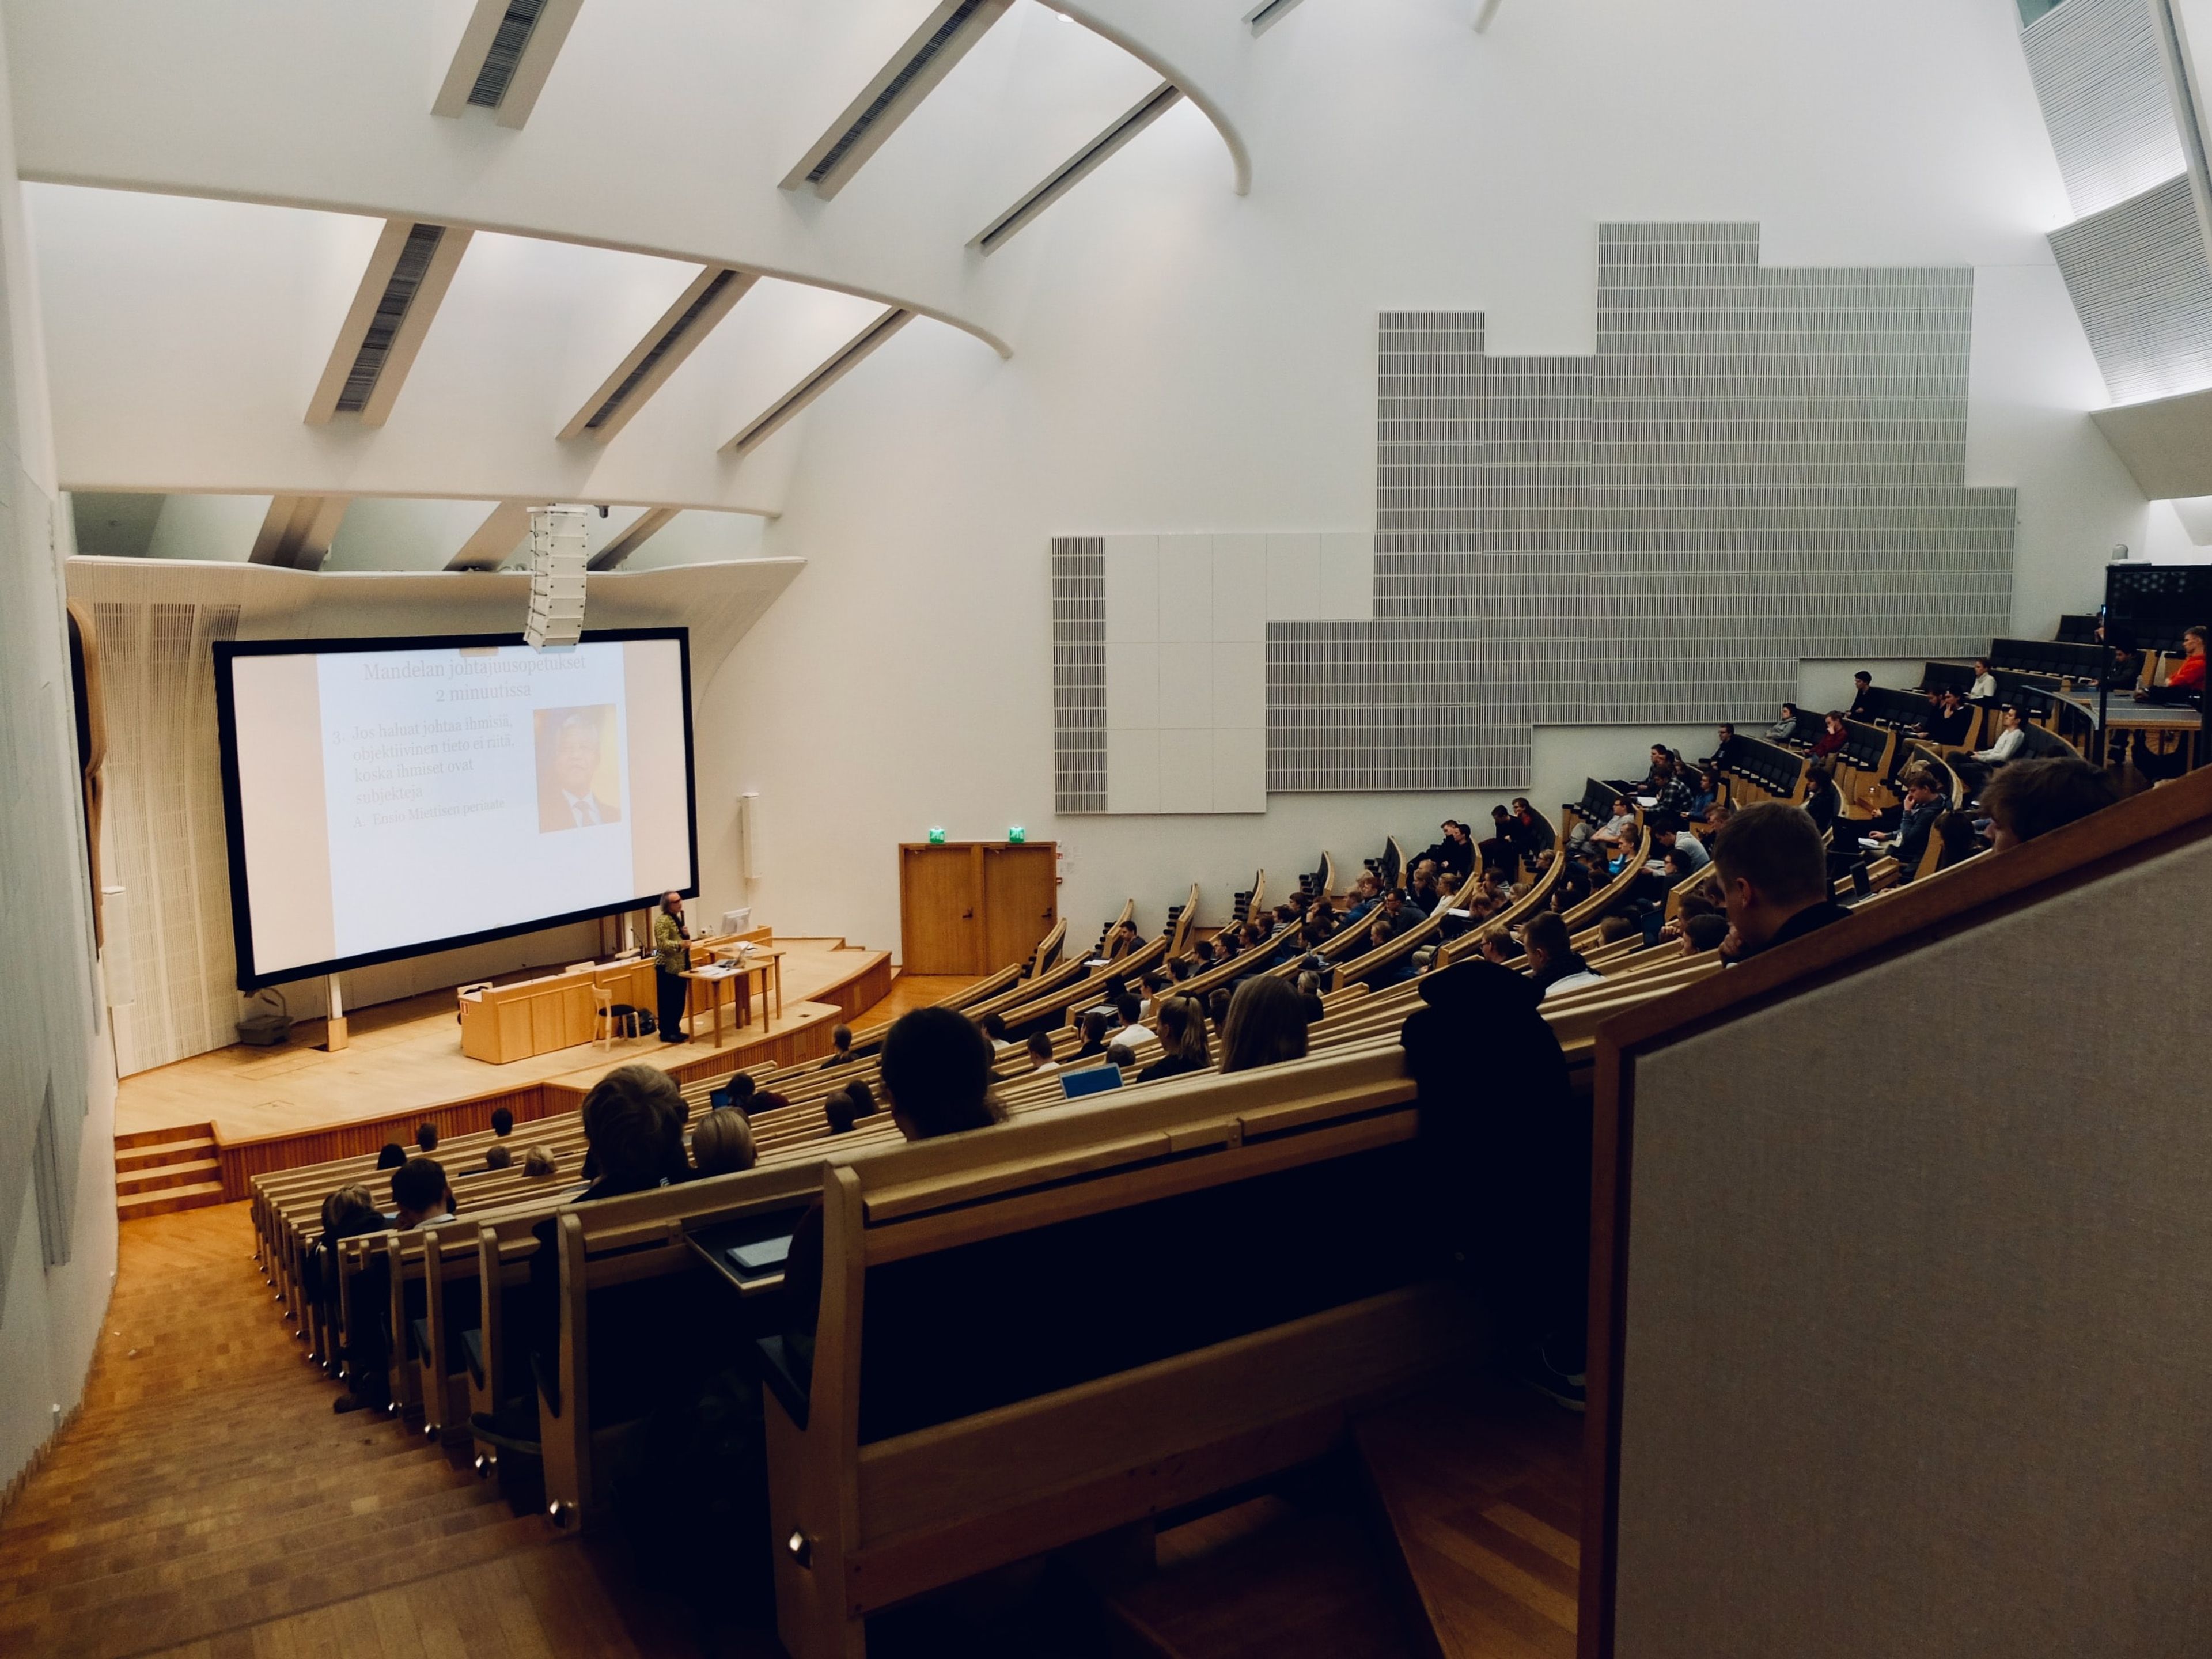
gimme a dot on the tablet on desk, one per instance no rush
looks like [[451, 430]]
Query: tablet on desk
[[1647, 802], [761, 1255]]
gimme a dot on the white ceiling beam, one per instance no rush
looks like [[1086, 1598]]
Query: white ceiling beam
[[704, 302], [297, 531], [913, 73], [1078, 167], [496, 538], [506, 50], [833, 369], [409, 271], [646, 526]]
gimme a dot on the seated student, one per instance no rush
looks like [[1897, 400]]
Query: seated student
[[1656, 773], [1785, 729], [1773, 871], [1924, 801], [1704, 782], [1120, 1056], [498, 1158], [1424, 896], [1393, 970], [1096, 1023], [2031, 798], [1723, 739], [841, 1041], [2185, 684], [1554, 965], [1831, 741], [837, 1111], [1133, 1031], [1820, 797], [1454, 856], [1183, 1035], [1180, 969], [1157, 984], [722, 1142], [502, 1121], [1702, 932], [1501, 850], [1950, 720], [1122, 940], [1530, 833], [1716, 815], [538, 1163], [937, 1073], [348, 1213], [633, 1121], [1862, 708], [1040, 1047], [1366, 893], [1618, 833], [426, 1137], [391, 1155], [1670, 835], [863, 1098], [1984, 688], [1974, 769], [1266, 1026], [1217, 1008], [420, 1194], [1670, 786], [1505, 1165], [993, 1026]]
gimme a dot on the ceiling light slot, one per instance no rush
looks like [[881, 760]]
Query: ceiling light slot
[[505, 57], [896, 91], [841, 363], [399, 291], [667, 342], [1265, 17], [1080, 166]]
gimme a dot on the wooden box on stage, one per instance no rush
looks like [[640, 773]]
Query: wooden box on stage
[[504, 1023]]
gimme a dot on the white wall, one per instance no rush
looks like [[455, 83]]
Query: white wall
[[49, 1035], [1194, 363], [220, 527]]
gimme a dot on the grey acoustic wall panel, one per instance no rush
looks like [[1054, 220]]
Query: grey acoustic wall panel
[[1078, 673], [2140, 284], [1756, 467], [2099, 74]]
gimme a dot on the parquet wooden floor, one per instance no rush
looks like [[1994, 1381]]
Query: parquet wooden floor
[[207, 1502]]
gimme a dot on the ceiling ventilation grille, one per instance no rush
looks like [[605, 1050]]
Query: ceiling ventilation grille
[[1080, 166], [897, 90], [819, 381], [399, 291], [506, 54], [667, 342]]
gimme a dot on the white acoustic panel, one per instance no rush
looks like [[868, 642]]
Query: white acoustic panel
[[1240, 683], [1186, 588], [2099, 72], [1133, 589], [1133, 771], [1186, 685], [1240, 769], [1294, 578], [1133, 686], [1240, 588], [1187, 770]]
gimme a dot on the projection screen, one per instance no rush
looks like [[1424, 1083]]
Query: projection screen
[[388, 797]]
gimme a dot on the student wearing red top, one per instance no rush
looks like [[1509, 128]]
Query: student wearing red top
[[2187, 679], [1834, 739]]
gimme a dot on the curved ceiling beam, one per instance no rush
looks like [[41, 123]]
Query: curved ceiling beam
[[1169, 40]]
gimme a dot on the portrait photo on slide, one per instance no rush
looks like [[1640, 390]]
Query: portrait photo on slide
[[579, 768]]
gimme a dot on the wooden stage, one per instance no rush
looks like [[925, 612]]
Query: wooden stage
[[273, 1108]]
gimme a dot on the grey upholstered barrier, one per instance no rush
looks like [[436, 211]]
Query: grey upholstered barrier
[[1915, 1355]]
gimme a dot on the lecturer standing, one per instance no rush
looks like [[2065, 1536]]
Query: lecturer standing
[[671, 958]]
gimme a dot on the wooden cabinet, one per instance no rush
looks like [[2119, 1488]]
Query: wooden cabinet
[[971, 907]]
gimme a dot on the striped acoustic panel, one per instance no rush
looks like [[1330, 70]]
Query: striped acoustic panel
[[1078, 673], [1756, 467], [2140, 284], [2099, 76]]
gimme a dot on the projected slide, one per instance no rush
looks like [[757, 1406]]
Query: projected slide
[[390, 797]]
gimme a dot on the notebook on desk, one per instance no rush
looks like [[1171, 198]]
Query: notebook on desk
[[1095, 1079]]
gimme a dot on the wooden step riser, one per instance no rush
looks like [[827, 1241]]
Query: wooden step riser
[[167, 1176], [154, 1158], [174, 1199], [162, 1137]]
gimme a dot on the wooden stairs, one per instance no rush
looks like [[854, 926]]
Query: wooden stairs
[[1447, 1531], [161, 1170]]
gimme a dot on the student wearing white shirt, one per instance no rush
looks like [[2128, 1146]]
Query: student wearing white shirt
[[1132, 1032], [1984, 688], [1975, 769], [1040, 1057]]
